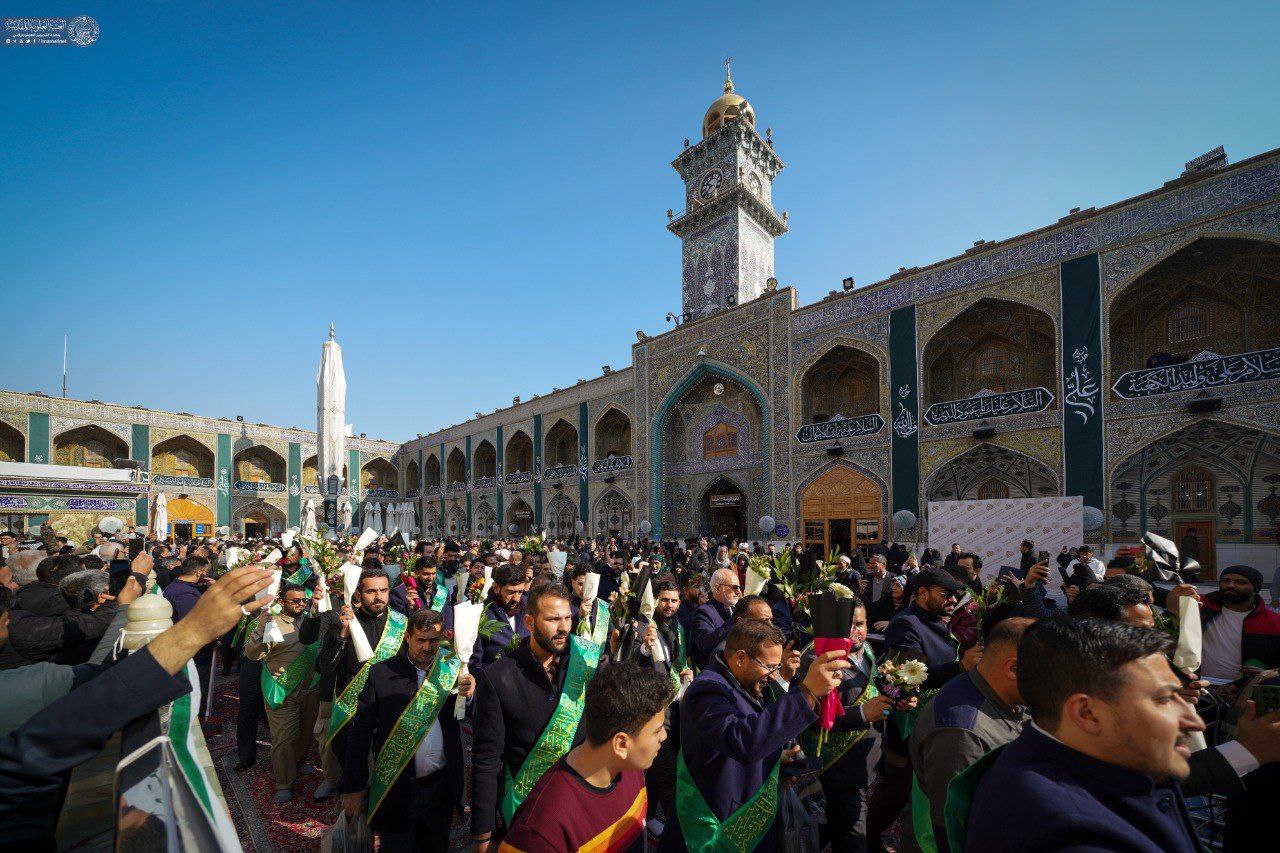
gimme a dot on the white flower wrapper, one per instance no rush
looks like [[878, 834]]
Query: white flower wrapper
[[755, 582], [366, 539], [1187, 655], [286, 538], [350, 580], [273, 556], [466, 631], [273, 588], [323, 605], [271, 632], [590, 586], [364, 651]]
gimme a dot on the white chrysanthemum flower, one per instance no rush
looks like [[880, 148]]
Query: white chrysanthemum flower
[[841, 591], [913, 673]]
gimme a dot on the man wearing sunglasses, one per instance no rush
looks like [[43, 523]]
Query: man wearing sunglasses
[[712, 621]]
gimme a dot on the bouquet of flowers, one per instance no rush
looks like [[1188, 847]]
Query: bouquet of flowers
[[759, 572], [901, 679], [832, 614], [531, 545]]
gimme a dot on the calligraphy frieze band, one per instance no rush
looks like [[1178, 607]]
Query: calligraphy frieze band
[[989, 406], [1206, 373], [837, 428]]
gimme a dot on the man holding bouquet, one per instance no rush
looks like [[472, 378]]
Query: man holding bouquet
[[732, 738]]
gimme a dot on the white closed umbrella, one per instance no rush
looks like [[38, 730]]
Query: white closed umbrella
[[406, 517], [308, 526], [331, 407], [373, 517], [160, 526], [344, 510]]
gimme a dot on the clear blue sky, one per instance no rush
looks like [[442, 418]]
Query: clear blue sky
[[475, 193]]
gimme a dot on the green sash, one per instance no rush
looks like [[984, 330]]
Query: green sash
[[301, 576], [276, 688], [960, 791], [741, 831], [838, 743], [557, 737], [344, 707], [600, 624], [412, 726]]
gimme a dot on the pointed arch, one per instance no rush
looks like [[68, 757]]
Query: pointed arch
[[89, 446], [518, 457], [561, 445], [485, 518], [612, 432], [994, 345], [456, 466], [704, 368], [182, 456], [258, 463], [412, 476], [963, 475], [561, 516], [13, 444], [844, 378], [613, 514], [432, 473], [484, 460], [379, 474], [520, 514]]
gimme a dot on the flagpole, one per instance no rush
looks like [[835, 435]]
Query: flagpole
[[64, 366]]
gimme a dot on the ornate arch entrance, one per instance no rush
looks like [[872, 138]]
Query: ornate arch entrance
[[842, 508], [724, 510]]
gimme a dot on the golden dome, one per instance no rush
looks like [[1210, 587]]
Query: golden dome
[[726, 108]]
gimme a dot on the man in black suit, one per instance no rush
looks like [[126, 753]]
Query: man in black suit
[[417, 810], [515, 699], [337, 657], [506, 606], [877, 590]]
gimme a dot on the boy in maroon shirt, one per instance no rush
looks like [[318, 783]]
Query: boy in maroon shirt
[[594, 798]]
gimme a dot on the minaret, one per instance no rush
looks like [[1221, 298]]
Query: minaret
[[331, 444], [728, 226]]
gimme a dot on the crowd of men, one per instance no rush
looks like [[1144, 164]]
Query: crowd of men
[[1051, 717]]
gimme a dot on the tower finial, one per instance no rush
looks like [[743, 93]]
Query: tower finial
[[330, 330], [728, 77]]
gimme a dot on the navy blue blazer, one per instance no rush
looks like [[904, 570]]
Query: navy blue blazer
[[711, 624], [917, 631], [1041, 795], [730, 743], [388, 691]]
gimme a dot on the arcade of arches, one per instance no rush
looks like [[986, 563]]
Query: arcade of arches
[[1215, 295], [992, 346], [841, 508]]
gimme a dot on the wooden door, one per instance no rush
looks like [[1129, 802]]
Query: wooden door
[[845, 495], [1204, 536]]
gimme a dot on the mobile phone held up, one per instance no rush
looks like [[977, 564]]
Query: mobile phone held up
[[118, 571]]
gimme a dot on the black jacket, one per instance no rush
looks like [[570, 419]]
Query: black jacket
[[391, 686], [41, 598], [68, 638], [514, 703], [36, 757], [337, 661], [856, 767]]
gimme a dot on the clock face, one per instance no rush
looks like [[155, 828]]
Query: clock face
[[754, 183], [711, 183]]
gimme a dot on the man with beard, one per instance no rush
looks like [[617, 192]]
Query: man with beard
[[712, 620], [732, 734], [852, 750], [406, 716], [1241, 634], [1099, 766], [383, 629], [506, 606], [423, 590], [690, 599], [528, 706], [919, 632]]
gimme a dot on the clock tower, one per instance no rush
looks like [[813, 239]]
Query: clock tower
[[728, 225]]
